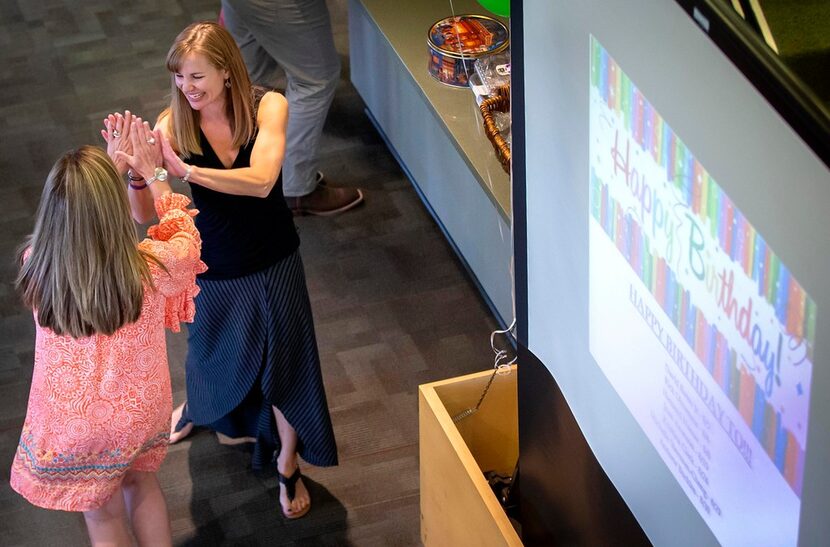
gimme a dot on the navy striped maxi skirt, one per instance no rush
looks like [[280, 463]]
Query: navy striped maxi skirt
[[252, 345]]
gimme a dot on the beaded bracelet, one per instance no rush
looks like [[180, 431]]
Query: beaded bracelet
[[132, 179]]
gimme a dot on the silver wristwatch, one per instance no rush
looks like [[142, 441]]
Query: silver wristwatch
[[160, 174]]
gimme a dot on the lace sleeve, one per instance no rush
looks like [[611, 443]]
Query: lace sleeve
[[175, 245]]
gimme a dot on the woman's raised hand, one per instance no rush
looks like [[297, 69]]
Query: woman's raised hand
[[172, 162], [116, 133], [146, 149]]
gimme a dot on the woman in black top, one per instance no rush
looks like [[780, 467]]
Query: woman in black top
[[253, 369]]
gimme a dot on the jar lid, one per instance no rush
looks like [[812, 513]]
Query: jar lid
[[468, 35]]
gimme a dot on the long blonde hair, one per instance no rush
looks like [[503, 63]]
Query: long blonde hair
[[84, 273], [217, 45]]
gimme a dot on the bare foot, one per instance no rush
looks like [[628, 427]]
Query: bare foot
[[176, 436], [301, 503], [233, 441]]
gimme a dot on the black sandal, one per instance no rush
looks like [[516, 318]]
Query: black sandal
[[291, 490]]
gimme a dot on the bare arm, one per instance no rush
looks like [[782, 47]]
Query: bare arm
[[141, 204], [266, 156]]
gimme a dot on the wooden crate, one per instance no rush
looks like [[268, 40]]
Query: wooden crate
[[458, 507]]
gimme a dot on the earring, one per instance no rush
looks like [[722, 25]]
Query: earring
[[228, 83]]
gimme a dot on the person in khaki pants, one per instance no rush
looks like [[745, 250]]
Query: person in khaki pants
[[295, 35]]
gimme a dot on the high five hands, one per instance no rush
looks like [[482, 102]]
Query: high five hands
[[132, 144], [145, 154]]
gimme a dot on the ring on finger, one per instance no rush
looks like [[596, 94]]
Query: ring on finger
[[116, 133], [151, 140]]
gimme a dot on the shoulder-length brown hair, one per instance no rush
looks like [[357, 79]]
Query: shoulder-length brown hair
[[217, 45], [84, 273]]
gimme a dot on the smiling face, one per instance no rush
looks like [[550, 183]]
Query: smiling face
[[201, 83], [202, 58]]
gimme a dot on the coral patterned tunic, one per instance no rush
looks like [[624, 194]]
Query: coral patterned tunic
[[100, 406]]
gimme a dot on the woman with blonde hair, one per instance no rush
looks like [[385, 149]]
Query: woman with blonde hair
[[252, 369], [97, 423]]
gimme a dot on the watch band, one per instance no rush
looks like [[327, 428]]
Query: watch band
[[160, 174]]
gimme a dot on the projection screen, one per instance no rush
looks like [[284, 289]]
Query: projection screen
[[677, 267]]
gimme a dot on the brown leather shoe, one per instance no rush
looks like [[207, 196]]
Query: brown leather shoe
[[325, 201]]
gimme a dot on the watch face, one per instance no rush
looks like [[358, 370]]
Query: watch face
[[161, 174]]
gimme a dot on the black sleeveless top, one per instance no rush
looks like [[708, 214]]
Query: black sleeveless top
[[240, 234]]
